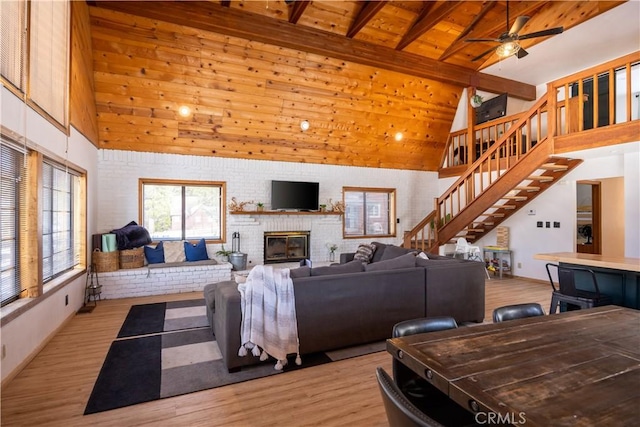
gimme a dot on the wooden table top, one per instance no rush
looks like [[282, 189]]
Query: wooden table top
[[592, 260], [579, 368]]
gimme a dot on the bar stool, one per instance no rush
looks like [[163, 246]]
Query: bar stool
[[566, 291]]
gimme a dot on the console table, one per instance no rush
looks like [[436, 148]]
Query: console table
[[502, 255]]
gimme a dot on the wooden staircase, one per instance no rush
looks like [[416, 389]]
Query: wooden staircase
[[515, 157], [502, 181]]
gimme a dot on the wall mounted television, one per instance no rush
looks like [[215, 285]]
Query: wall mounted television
[[492, 109], [294, 195]]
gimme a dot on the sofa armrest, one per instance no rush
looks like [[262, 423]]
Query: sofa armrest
[[456, 290]]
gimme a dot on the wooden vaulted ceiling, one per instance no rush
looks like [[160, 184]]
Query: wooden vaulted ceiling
[[251, 71]]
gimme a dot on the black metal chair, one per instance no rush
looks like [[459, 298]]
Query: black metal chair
[[567, 293], [400, 411], [424, 396], [517, 311]]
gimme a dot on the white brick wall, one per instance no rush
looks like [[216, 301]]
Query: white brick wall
[[119, 171], [136, 282]]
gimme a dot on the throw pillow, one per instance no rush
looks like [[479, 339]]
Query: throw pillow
[[354, 266], [423, 255], [393, 251], [404, 261], [380, 248], [365, 252], [174, 251], [154, 255], [295, 273], [196, 252]]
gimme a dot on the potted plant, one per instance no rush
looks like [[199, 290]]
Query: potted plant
[[259, 206], [476, 101], [224, 253], [332, 251], [323, 208]]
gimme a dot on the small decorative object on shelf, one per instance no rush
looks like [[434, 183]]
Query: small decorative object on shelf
[[336, 207], [259, 206], [323, 208], [224, 254], [236, 206], [332, 251]]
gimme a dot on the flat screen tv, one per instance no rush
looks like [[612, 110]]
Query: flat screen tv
[[294, 195], [492, 109]]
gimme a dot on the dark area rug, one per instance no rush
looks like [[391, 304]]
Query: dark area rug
[[163, 362]]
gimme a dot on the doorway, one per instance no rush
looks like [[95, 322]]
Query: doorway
[[588, 217]]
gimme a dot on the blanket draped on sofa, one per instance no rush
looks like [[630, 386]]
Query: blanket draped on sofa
[[268, 315]]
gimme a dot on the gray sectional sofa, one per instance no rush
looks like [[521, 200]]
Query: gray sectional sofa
[[354, 303]]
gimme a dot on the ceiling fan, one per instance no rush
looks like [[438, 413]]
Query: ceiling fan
[[509, 40]]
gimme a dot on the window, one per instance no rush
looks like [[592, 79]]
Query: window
[[12, 199], [183, 210], [60, 198], [35, 60], [369, 212]]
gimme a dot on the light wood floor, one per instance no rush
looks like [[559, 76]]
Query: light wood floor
[[53, 389]]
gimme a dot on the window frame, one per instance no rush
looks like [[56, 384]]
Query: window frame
[[391, 193], [221, 185]]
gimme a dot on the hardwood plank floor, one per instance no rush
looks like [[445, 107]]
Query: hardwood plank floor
[[53, 389]]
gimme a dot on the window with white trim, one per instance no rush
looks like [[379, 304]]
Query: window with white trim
[[12, 205], [60, 199], [183, 210]]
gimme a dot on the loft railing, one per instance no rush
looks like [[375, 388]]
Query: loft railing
[[606, 94]]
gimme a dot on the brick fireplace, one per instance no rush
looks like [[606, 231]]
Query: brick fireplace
[[286, 246]]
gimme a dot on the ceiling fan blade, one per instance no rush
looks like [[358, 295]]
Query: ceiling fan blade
[[543, 33], [521, 53], [483, 54], [483, 40], [518, 24]]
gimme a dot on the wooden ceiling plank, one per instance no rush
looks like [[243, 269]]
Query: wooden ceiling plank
[[215, 18], [459, 43], [425, 22], [366, 13]]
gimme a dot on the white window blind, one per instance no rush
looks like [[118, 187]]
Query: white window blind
[[48, 56], [12, 205], [60, 190], [12, 41]]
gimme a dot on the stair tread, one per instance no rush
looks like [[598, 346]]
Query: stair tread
[[514, 197], [504, 206], [527, 188], [540, 178], [554, 167]]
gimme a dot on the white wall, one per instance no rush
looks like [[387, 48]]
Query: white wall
[[558, 203], [249, 180], [23, 335]]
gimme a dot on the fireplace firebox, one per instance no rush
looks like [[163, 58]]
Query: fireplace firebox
[[286, 246]]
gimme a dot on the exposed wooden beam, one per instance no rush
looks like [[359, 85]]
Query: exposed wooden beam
[[366, 13], [459, 44], [297, 9], [213, 17], [425, 22]]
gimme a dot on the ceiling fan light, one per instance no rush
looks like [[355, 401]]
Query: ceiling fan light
[[507, 49]]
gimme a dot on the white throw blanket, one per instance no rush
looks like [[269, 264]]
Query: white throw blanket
[[268, 315]]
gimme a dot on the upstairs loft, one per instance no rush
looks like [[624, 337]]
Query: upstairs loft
[[608, 115]]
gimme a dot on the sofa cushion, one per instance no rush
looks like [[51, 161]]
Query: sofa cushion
[[403, 261], [174, 252], [421, 262], [364, 253], [295, 273], [196, 252], [154, 255], [392, 251], [354, 266]]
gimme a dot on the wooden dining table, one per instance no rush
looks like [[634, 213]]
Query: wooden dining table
[[578, 368]]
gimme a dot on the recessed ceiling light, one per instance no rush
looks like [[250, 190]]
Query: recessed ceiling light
[[304, 125], [184, 111], [398, 136]]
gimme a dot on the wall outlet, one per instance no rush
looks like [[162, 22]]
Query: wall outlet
[[519, 265], [66, 300], [4, 352]]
